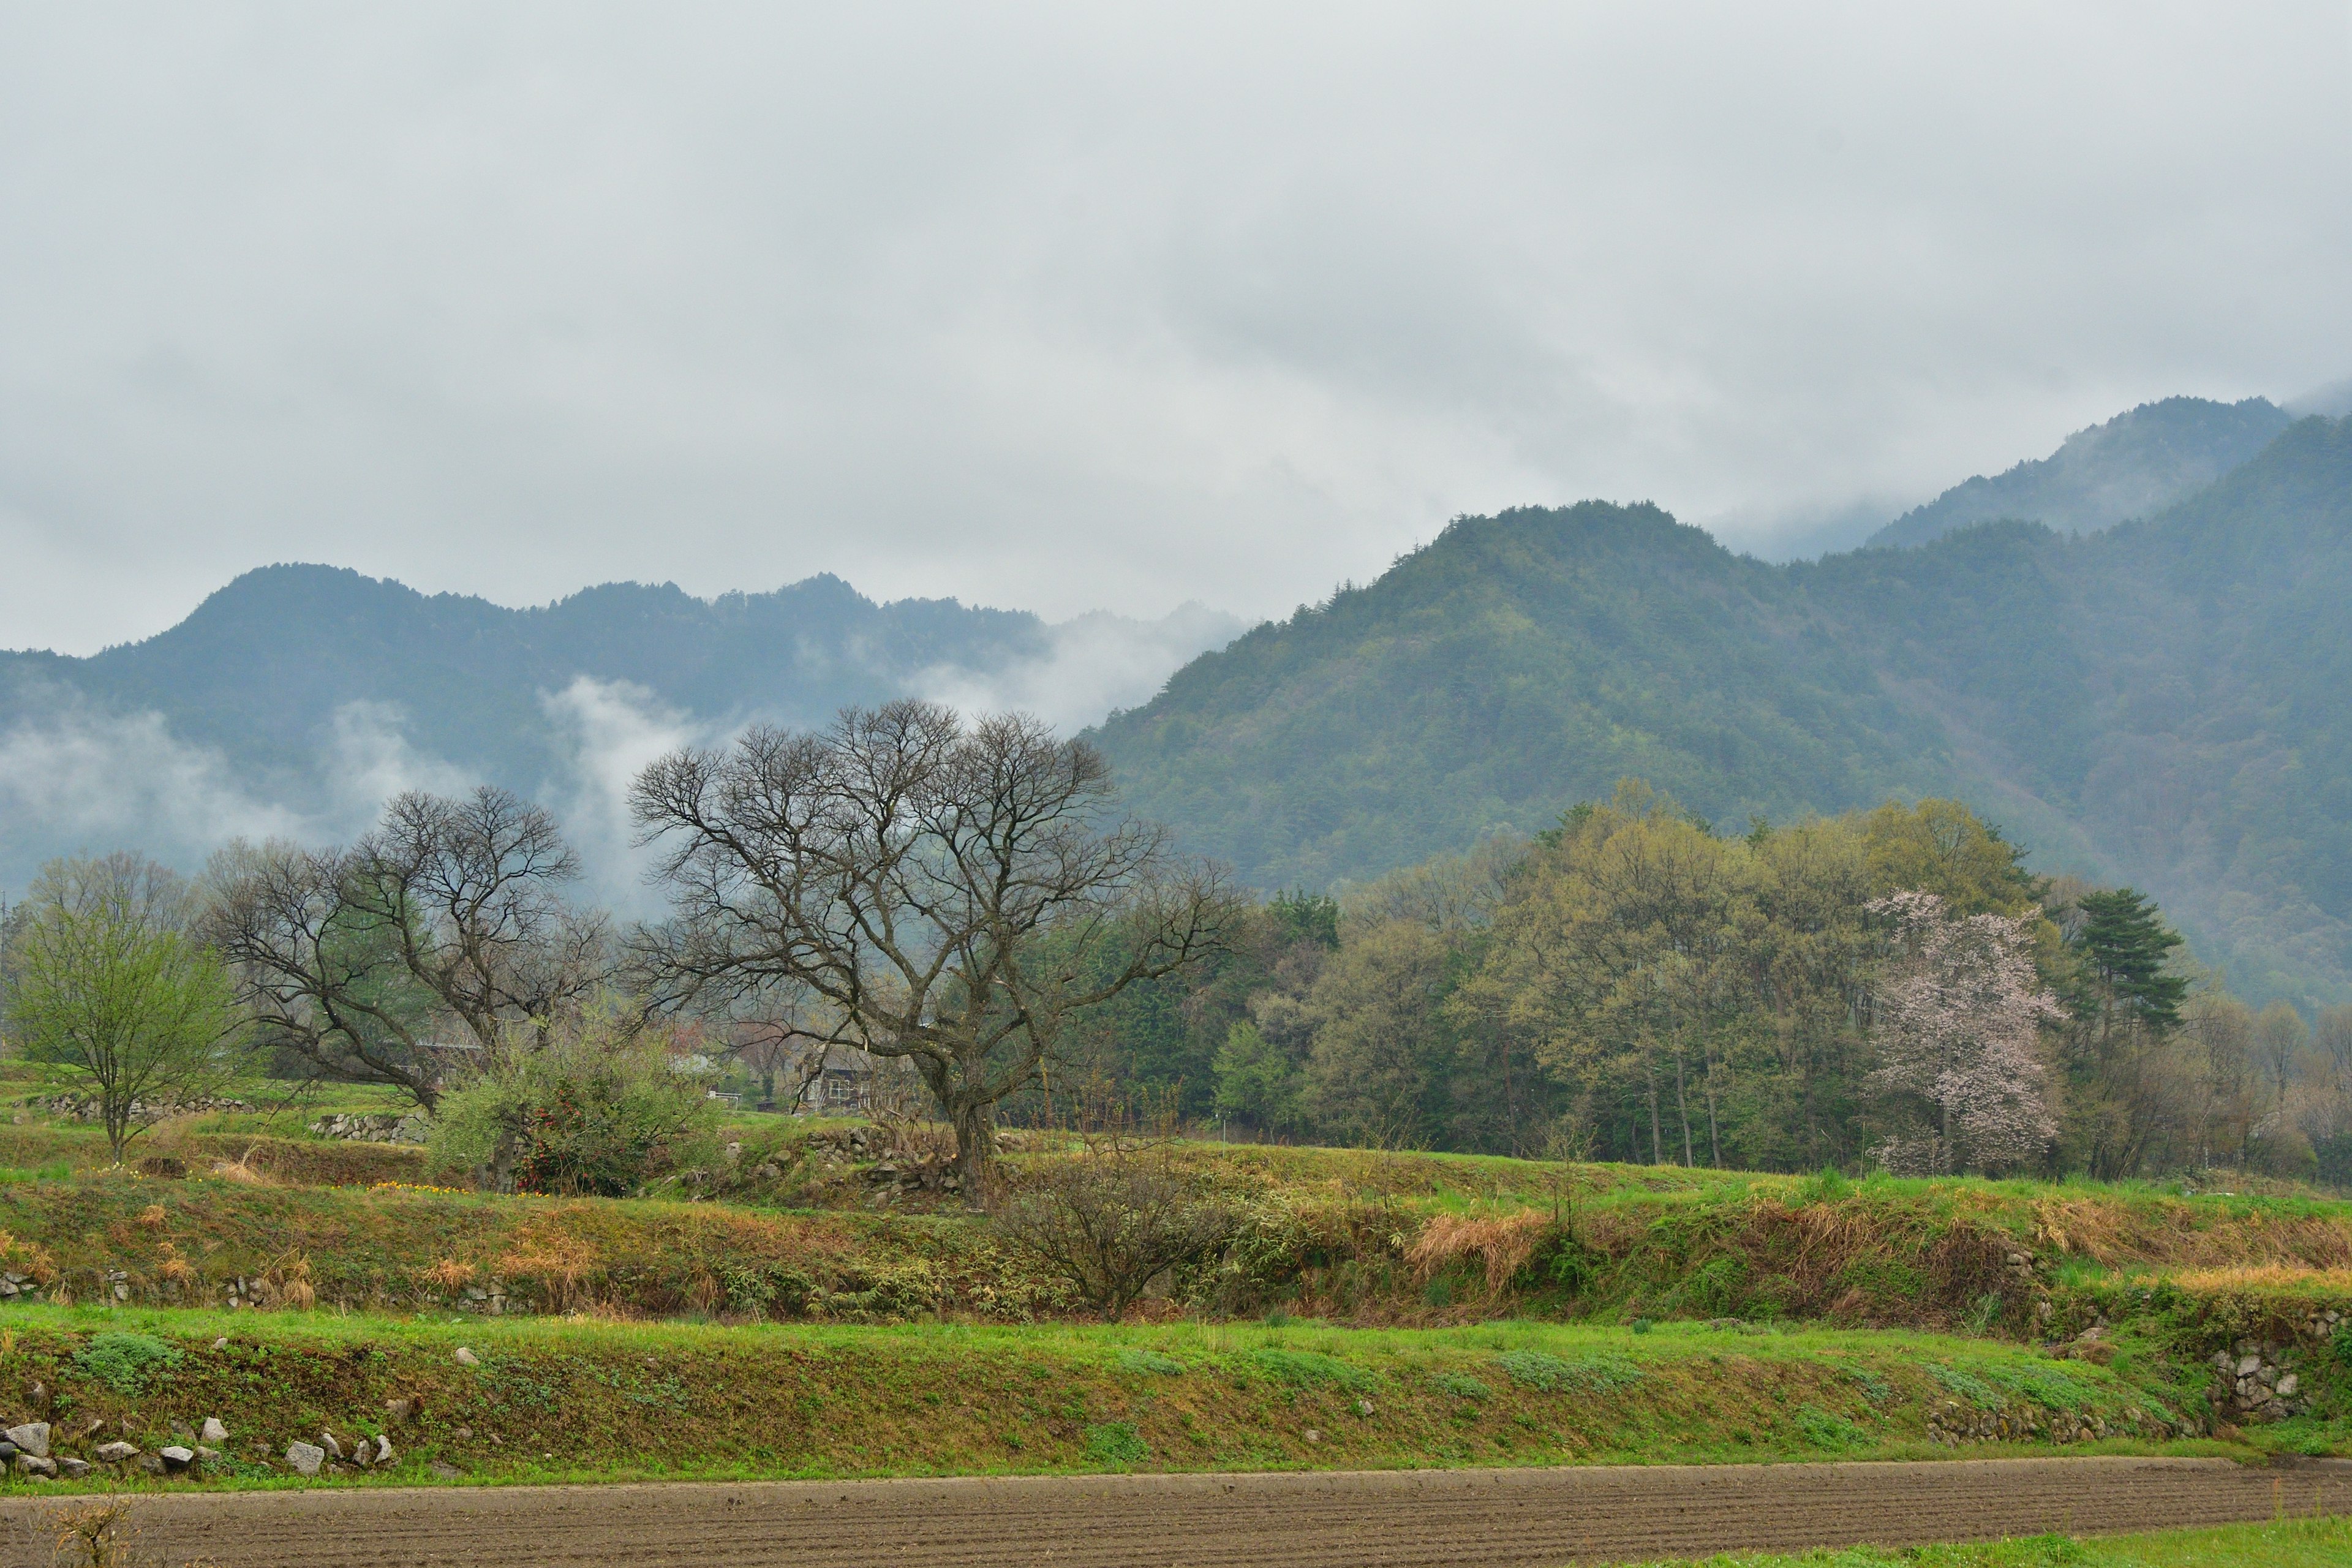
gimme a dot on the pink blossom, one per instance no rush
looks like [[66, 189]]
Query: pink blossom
[[1957, 1025]]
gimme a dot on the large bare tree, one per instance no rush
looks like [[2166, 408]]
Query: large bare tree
[[450, 918], [923, 889]]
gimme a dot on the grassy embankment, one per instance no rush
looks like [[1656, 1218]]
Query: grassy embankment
[[795, 1364], [551, 1399]]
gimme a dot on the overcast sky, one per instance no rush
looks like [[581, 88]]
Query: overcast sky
[[1068, 307]]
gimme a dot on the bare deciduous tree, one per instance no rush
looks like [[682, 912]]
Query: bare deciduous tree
[[451, 914], [948, 894]]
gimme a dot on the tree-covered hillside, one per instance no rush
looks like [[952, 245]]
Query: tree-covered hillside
[[2134, 464], [2159, 703]]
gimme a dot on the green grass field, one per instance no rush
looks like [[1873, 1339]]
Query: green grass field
[[2285, 1543]]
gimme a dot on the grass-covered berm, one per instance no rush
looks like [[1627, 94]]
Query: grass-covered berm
[[554, 1398], [2223, 1313]]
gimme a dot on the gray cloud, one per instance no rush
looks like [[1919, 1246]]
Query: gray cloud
[[1068, 307]]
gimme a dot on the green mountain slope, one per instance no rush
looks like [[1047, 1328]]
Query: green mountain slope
[[2159, 703], [2132, 466]]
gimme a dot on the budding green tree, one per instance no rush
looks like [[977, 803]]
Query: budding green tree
[[109, 992]]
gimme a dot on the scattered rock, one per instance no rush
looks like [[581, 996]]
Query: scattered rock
[[466, 1357], [73, 1469], [1312, 1436], [184, 1432], [115, 1453], [306, 1457], [152, 1463], [326, 1441], [465, 1434], [213, 1432], [444, 1470], [176, 1458], [2288, 1385], [221, 1344], [37, 1464], [7, 1452], [1363, 1407], [32, 1438], [382, 1449], [400, 1409], [206, 1456]]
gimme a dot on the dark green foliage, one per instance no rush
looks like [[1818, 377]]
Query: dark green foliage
[[1150, 1361], [2127, 945], [125, 1362]]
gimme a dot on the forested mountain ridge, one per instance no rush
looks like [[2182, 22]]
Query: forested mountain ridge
[[261, 665], [2132, 466], [293, 699], [2158, 703]]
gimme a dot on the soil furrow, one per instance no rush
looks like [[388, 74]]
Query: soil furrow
[[1507, 1518]]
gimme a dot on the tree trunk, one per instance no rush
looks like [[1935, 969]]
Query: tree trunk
[[975, 1129], [1682, 1109], [1714, 1137], [1657, 1129]]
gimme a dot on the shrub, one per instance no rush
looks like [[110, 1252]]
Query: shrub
[[1823, 1430], [1150, 1361], [1311, 1368], [1110, 1222], [1117, 1442], [1591, 1375], [594, 1109], [1463, 1387], [124, 1361]]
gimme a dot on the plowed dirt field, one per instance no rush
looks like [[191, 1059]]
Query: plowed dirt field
[[1462, 1519]]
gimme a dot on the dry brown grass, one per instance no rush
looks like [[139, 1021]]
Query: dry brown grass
[[285, 1284], [449, 1274], [26, 1258], [1504, 1243], [2266, 1275], [243, 1170], [153, 1218], [563, 1263]]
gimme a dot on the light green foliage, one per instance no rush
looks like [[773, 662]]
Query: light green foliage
[[1150, 1361], [1825, 1430], [107, 990], [1552, 1375], [1464, 1387], [592, 1106], [124, 1361], [1310, 1369]]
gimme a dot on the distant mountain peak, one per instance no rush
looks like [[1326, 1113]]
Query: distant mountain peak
[[2132, 466]]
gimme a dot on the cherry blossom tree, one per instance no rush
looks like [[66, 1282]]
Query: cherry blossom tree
[[1955, 1023]]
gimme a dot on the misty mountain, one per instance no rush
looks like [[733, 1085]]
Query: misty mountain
[[2132, 466], [294, 699], [2160, 702]]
